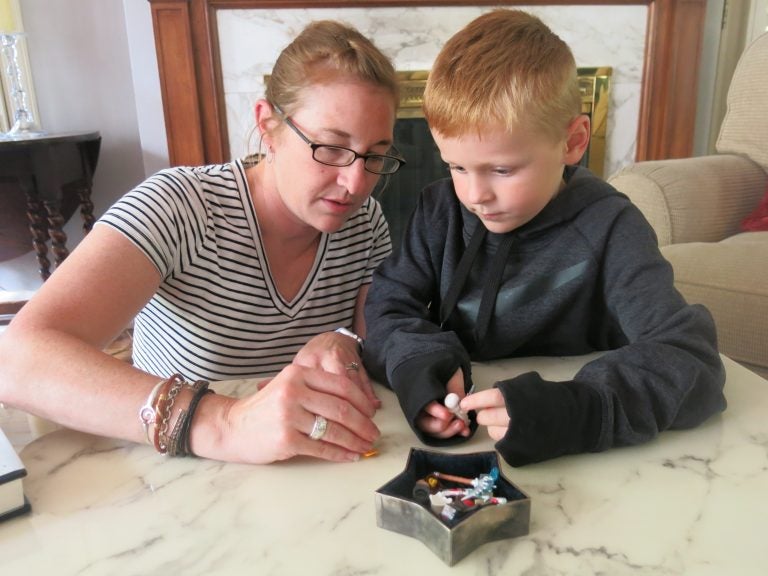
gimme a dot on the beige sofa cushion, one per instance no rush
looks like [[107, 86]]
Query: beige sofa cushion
[[701, 199], [731, 279], [745, 125]]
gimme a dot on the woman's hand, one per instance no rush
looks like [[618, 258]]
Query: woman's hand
[[275, 423], [491, 411], [337, 353], [436, 420]]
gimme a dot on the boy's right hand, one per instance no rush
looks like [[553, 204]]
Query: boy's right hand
[[436, 420]]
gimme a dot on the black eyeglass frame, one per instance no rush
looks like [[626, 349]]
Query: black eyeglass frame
[[315, 146]]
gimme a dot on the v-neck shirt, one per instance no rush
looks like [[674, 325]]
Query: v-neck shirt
[[217, 313]]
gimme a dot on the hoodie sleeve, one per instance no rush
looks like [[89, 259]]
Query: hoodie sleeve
[[405, 347], [547, 419], [668, 374]]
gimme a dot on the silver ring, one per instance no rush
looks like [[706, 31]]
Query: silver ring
[[319, 428], [352, 366]]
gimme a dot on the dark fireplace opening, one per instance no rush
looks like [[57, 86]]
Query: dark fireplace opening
[[424, 165]]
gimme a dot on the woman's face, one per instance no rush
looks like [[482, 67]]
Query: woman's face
[[350, 114]]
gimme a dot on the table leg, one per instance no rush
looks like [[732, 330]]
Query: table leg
[[58, 236], [86, 208], [39, 230]]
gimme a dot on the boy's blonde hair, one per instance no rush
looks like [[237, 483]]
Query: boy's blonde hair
[[325, 51], [506, 68]]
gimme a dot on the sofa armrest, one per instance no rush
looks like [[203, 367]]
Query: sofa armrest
[[702, 199]]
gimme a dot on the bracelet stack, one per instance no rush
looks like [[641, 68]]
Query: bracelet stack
[[167, 414]]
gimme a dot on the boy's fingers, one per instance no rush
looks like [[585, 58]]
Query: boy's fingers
[[438, 427], [438, 411], [497, 432], [491, 398], [493, 417]]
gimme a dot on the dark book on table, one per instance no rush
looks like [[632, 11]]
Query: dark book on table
[[12, 471]]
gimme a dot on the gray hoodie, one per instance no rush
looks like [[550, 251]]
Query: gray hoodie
[[584, 275]]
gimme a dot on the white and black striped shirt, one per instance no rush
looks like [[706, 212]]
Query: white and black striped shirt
[[217, 314]]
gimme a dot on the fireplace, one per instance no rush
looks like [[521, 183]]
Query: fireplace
[[208, 53], [424, 165]]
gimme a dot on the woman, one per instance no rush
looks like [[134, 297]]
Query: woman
[[231, 271]]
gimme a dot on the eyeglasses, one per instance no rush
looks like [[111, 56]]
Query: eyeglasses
[[340, 156]]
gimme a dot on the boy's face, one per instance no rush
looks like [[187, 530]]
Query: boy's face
[[506, 178]]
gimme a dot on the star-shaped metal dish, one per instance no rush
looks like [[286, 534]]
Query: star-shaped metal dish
[[451, 540]]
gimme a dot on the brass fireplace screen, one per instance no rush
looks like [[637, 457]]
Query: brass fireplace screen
[[594, 84]]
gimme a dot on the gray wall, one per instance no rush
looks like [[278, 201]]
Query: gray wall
[[94, 68]]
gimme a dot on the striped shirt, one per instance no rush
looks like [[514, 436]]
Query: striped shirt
[[217, 314]]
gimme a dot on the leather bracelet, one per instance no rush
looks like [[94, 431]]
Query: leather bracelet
[[185, 433], [172, 442], [176, 442]]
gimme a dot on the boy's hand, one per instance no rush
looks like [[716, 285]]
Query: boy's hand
[[491, 411], [436, 420]]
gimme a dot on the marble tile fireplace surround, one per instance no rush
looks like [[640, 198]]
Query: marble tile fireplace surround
[[213, 55]]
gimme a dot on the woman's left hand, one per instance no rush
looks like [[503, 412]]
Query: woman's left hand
[[337, 353]]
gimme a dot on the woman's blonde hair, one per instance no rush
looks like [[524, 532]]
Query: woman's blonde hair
[[325, 51], [506, 68]]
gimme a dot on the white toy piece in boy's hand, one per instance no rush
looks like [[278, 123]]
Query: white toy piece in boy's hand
[[452, 403]]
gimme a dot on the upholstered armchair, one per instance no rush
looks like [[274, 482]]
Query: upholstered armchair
[[697, 205]]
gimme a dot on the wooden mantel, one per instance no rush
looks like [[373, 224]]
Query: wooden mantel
[[186, 38]]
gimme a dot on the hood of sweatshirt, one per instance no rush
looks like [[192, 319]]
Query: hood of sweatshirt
[[487, 254]]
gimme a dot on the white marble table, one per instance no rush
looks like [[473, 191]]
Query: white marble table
[[692, 502]]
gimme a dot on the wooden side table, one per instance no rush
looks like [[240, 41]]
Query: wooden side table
[[55, 174]]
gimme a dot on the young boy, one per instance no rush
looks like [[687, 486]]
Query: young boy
[[522, 253]]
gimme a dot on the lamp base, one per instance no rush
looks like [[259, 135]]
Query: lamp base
[[18, 132], [16, 79]]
